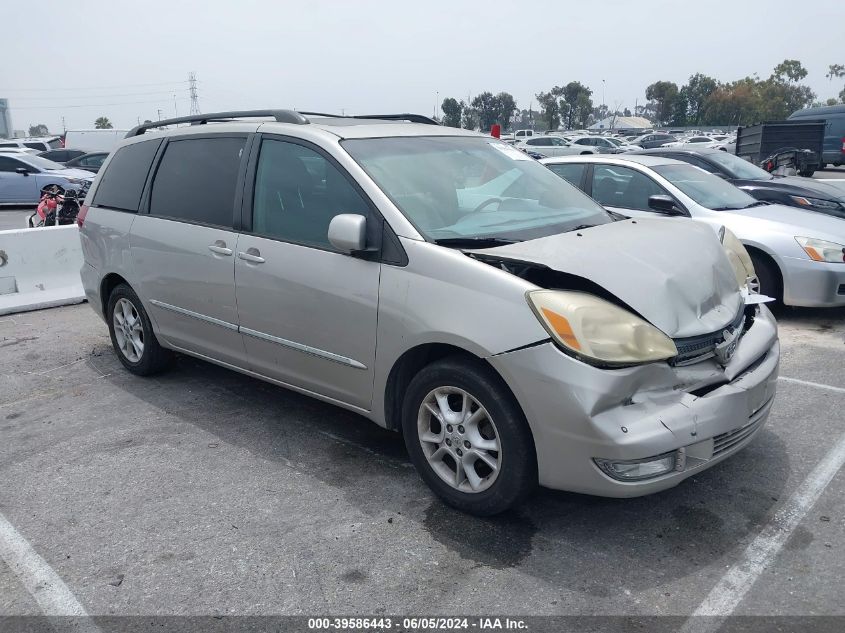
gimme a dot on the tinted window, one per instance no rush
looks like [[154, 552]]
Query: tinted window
[[92, 161], [623, 187], [36, 145], [122, 183], [196, 180], [534, 141], [706, 189], [298, 192], [573, 172], [10, 164]]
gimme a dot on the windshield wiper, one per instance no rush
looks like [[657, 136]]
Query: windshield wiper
[[474, 242], [580, 227], [758, 203]]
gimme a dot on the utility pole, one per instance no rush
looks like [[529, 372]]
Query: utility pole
[[159, 114], [192, 83], [64, 127], [175, 111]]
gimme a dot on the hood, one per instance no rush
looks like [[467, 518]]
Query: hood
[[673, 272], [70, 172], [796, 186], [796, 221]]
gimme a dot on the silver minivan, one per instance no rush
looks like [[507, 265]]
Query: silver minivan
[[441, 283]]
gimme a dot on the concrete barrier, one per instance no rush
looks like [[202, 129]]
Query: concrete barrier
[[39, 268]]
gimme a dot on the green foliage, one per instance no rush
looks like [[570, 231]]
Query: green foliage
[[103, 123], [663, 95], [452, 111], [38, 130], [789, 70], [550, 107], [577, 103]]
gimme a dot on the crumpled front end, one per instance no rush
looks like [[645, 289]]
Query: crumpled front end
[[683, 417]]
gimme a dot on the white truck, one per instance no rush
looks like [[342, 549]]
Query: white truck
[[94, 140]]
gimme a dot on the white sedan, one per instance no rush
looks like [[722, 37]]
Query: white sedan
[[798, 255], [553, 146]]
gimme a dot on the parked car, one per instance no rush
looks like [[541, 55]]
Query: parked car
[[793, 191], [833, 151], [38, 143], [798, 255], [647, 141], [19, 150], [603, 144], [549, 145], [92, 161], [22, 177], [692, 141], [61, 155], [441, 283]]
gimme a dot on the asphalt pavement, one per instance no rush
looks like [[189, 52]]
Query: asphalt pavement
[[202, 491]]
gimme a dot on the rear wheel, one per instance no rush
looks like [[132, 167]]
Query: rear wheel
[[132, 335], [468, 437], [768, 277]]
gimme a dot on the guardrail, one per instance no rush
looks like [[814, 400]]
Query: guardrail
[[39, 268]]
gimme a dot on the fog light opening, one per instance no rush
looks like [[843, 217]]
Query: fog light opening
[[640, 469]]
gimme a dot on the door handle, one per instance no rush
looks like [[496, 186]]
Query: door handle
[[219, 247], [251, 255]]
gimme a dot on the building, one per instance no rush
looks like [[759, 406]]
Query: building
[[622, 123], [5, 119]]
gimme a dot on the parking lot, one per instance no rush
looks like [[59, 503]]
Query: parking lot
[[202, 491]]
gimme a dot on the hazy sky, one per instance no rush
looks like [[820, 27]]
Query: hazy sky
[[364, 56]]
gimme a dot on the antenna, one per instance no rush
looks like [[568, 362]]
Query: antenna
[[192, 83]]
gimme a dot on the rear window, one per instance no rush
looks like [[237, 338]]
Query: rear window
[[122, 183], [196, 180], [41, 146]]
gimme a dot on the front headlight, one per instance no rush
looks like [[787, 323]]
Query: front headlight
[[597, 331], [739, 258], [818, 203], [822, 250]]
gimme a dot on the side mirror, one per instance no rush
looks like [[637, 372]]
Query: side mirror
[[663, 204], [348, 232], [23, 171]]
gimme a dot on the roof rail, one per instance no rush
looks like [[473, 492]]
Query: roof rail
[[410, 118], [282, 116]]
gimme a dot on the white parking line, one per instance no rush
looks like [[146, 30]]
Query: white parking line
[[807, 383], [43, 584], [731, 589]]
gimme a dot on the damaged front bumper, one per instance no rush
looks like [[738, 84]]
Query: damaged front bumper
[[692, 417]]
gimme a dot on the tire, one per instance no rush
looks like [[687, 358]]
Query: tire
[[499, 434], [807, 173], [152, 358], [769, 277]]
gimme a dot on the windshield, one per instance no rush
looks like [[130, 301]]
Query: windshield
[[710, 191], [473, 188], [739, 167], [41, 163]]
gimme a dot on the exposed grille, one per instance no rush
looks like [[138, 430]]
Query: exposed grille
[[726, 441], [697, 348]]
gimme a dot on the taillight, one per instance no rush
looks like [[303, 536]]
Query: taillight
[[843, 144], [80, 217]]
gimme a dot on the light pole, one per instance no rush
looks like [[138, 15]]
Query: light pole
[[603, 106], [436, 103]]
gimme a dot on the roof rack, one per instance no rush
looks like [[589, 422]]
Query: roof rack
[[281, 116]]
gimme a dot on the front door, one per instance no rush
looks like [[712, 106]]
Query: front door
[[15, 187], [625, 190], [183, 251], [307, 312]]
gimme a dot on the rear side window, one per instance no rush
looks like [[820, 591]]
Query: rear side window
[[122, 183], [196, 180], [572, 172]]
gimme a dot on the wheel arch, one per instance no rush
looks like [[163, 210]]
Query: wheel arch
[[410, 363], [107, 285]]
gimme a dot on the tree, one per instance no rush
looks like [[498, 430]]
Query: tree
[[452, 111], [575, 102], [836, 71], [507, 109], [789, 70], [550, 106], [38, 130], [663, 95], [470, 117], [488, 109], [103, 123], [695, 94]]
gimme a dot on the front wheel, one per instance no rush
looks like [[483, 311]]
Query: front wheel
[[468, 437], [768, 278], [132, 335]]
